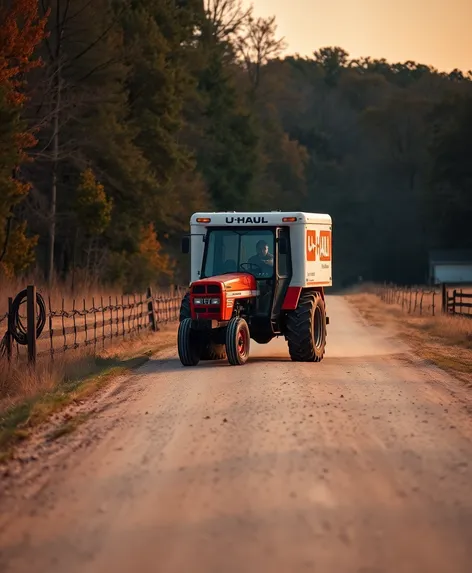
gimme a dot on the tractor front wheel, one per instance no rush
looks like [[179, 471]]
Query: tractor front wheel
[[208, 349], [238, 341], [187, 344]]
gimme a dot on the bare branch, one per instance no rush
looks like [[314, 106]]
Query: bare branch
[[103, 35], [227, 17], [257, 44], [84, 7]]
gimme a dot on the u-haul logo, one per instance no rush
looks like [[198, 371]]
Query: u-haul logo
[[318, 246]]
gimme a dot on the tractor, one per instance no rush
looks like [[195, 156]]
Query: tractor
[[255, 276]]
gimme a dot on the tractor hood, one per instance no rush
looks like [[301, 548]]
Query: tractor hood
[[230, 282]]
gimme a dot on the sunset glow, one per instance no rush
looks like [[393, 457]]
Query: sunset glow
[[432, 32]]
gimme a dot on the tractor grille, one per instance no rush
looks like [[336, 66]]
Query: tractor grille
[[206, 289]]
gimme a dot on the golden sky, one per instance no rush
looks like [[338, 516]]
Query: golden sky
[[433, 32]]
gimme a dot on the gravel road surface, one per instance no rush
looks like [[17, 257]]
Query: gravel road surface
[[360, 464]]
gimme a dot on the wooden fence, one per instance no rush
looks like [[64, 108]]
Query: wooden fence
[[459, 301], [444, 299], [34, 328]]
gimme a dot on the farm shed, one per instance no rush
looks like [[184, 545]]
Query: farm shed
[[450, 267]]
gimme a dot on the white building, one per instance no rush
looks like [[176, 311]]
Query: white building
[[450, 266]]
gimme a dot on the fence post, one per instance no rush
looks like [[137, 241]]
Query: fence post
[[443, 298], [9, 337], [454, 295], [152, 311], [31, 322]]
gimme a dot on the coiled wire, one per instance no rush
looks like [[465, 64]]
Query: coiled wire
[[16, 327]]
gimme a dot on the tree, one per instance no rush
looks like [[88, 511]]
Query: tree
[[226, 17], [21, 30], [257, 44], [227, 153], [147, 110], [83, 48], [333, 61], [449, 200]]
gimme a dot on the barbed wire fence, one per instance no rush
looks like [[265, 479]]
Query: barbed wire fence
[[432, 301], [34, 324]]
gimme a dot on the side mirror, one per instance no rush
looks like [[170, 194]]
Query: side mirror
[[283, 246], [185, 245]]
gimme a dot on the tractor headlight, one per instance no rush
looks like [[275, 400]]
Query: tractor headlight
[[206, 301]]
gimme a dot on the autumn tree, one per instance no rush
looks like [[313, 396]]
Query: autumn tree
[[21, 30], [147, 111]]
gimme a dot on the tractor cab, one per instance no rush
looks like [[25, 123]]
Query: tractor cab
[[260, 252]]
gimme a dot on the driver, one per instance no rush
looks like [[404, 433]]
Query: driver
[[262, 258]]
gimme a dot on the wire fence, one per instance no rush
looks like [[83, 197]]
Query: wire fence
[[34, 328], [430, 301]]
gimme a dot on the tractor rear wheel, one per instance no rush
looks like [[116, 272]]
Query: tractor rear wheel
[[209, 350], [306, 329], [187, 344], [238, 341]]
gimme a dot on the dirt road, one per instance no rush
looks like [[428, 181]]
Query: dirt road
[[362, 463]]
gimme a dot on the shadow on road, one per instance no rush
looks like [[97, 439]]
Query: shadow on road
[[173, 364]]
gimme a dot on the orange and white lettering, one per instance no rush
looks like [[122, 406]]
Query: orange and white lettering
[[325, 246], [311, 245]]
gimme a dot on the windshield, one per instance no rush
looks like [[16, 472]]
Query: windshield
[[231, 250]]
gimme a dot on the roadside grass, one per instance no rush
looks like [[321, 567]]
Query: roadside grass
[[32, 396], [444, 340]]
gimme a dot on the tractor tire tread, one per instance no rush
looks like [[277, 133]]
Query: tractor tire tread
[[234, 357], [299, 330], [187, 344], [209, 350]]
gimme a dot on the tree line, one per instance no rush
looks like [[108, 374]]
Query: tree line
[[119, 119]]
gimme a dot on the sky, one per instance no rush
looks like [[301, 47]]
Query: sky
[[431, 32]]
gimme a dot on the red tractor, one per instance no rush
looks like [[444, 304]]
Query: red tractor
[[255, 276]]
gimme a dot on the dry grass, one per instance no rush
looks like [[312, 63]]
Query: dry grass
[[29, 396], [34, 395], [445, 340], [65, 337], [60, 290]]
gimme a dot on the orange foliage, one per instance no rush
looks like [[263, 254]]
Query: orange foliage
[[151, 255], [20, 253], [21, 30]]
